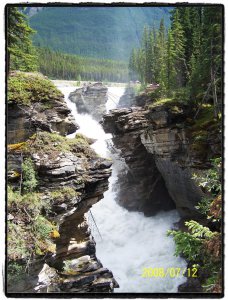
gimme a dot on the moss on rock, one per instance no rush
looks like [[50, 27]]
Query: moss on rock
[[25, 88], [48, 143], [172, 103], [63, 194]]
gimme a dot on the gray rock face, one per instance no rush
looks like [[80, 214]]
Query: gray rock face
[[163, 140], [91, 99], [170, 140], [142, 188], [23, 121]]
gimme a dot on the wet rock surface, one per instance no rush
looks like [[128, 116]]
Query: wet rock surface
[[91, 99]]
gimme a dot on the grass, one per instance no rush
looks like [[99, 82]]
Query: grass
[[160, 102], [29, 231], [15, 271], [17, 237], [81, 137], [205, 117], [169, 102], [60, 195], [49, 143]]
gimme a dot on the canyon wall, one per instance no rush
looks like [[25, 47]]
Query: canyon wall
[[70, 179], [163, 147]]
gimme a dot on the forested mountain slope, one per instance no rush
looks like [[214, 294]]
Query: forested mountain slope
[[100, 32]]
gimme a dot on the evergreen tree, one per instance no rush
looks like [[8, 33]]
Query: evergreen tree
[[162, 54], [58, 65], [152, 56], [132, 65], [146, 41], [20, 52], [206, 60], [212, 46], [179, 44], [171, 70], [188, 59]]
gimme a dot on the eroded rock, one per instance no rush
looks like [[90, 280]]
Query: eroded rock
[[142, 188], [34, 103], [91, 99], [162, 147]]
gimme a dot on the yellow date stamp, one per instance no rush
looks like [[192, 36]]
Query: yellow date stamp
[[169, 272]]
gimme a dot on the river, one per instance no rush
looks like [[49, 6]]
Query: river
[[128, 241]]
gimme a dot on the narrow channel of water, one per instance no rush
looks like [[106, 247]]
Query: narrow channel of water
[[130, 241]]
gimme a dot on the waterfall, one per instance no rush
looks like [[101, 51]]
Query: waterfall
[[130, 241]]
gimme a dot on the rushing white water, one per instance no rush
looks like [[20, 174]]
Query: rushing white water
[[130, 241]]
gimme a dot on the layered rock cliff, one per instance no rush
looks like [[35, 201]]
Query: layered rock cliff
[[91, 99], [35, 104], [142, 188], [53, 182], [163, 146]]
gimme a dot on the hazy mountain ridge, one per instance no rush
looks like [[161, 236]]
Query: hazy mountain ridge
[[101, 32]]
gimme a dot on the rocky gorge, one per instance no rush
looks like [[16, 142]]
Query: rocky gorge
[[54, 181], [48, 231]]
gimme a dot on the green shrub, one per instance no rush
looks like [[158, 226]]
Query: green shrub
[[156, 94], [186, 244], [204, 205], [211, 282], [63, 193], [200, 244], [190, 244], [198, 230], [16, 241], [13, 196], [25, 88], [14, 272], [31, 201], [43, 232], [29, 182], [211, 179], [42, 228], [182, 94]]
